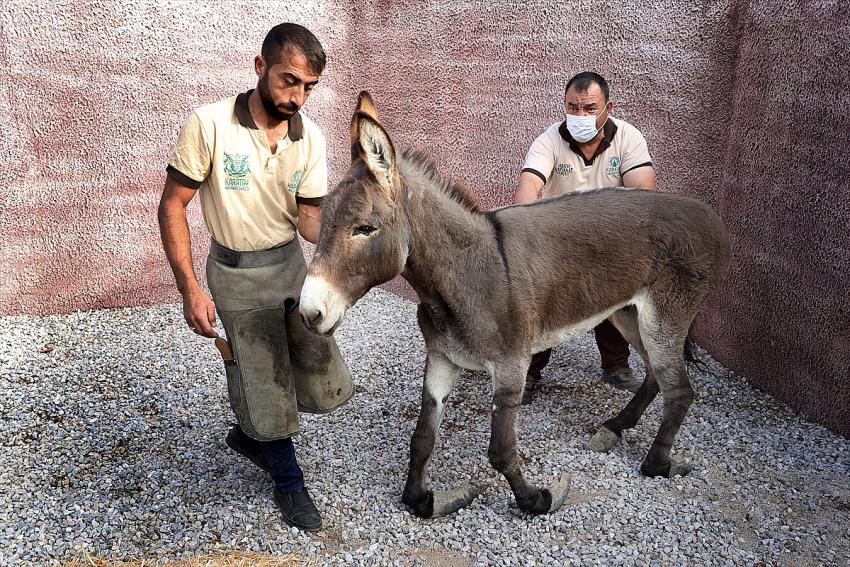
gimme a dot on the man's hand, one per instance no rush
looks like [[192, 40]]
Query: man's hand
[[199, 312]]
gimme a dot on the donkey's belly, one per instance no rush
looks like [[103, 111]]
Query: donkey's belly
[[459, 355], [466, 362], [558, 336]]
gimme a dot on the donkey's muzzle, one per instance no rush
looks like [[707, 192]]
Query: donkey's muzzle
[[318, 330], [314, 320], [322, 307]]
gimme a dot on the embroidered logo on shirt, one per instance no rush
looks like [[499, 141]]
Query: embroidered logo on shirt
[[236, 168], [563, 169], [296, 180], [613, 166]]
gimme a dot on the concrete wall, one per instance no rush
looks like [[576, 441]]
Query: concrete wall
[[727, 93]]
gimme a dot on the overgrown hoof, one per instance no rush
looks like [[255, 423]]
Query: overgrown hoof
[[678, 465], [546, 500], [559, 491], [451, 501], [436, 504], [603, 440], [422, 506]]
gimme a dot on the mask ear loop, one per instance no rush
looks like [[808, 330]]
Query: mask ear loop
[[606, 118]]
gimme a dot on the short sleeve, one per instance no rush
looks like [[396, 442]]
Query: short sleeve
[[314, 182], [540, 159], [635, 151], [191, 160]]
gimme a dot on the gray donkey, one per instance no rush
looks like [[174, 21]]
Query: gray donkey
[[497, 286]]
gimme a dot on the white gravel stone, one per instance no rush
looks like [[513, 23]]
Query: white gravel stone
[[112, 442]]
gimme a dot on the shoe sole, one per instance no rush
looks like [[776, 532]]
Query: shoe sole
[[293, 524], [624, 386], [303, 528]]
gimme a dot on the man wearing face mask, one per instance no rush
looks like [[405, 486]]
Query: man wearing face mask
[[588, 150], [260, 167]]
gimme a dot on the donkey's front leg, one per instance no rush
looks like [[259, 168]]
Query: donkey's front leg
[[441, 375], [502, 453]]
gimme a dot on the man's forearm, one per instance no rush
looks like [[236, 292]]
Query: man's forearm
[[309, 229], [309, 222], [640, 178], [176, 241], [528, 188], [525, 195]]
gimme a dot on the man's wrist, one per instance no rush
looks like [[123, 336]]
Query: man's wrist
[[189, 288]]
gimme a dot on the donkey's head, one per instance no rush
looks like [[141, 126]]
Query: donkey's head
[[364, 237]]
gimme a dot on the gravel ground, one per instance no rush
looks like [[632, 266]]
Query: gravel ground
[[112, 443]]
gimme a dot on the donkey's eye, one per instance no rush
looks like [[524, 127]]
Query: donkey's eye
[[363, 230]]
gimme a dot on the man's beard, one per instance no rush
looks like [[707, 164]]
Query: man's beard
[[268, 103]]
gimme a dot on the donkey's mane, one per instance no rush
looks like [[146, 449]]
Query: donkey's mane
[[426, 167]]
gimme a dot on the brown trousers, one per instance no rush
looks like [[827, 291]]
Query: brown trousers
[[613, 350]]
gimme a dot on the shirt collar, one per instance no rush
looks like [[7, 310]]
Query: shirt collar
[[243, 115], [609, 130]]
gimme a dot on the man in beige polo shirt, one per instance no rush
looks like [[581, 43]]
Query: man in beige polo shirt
[[260, 167], [588, 150]]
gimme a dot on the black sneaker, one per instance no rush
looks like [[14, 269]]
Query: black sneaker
[[528, 389], [247, 447], [298, 510], [622, 379]]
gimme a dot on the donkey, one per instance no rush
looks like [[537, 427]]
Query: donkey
[[497, 286]]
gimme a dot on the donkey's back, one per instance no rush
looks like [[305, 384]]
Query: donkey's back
[[581, 254]]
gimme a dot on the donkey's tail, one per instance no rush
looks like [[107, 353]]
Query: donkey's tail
[[690, 352]]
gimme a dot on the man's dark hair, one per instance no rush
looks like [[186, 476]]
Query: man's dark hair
[[584, 79], [286, 34]]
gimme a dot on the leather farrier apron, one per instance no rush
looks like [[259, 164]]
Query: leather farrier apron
[[279, 367]]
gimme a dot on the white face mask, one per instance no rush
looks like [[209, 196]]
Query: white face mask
[[583, 128]]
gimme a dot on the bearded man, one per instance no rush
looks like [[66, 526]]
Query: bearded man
[[260, 167]]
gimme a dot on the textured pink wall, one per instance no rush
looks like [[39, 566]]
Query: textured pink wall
[[783, 317], [725, 92]]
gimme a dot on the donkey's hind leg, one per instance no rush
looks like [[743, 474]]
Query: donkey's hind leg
[[502, 453], [441, 375], [665, 347], [625, 320]]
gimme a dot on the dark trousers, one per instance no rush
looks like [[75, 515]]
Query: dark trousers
[[613, 350], [286, 472]]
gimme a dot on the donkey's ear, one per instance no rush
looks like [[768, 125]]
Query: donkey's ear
[[365, 105], [377, 151]]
